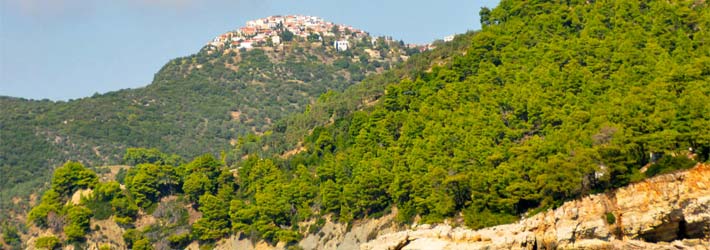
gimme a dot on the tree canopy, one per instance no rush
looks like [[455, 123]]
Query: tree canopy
[[548, 102]]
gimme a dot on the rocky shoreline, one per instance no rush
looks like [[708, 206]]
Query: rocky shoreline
[[671, 211]]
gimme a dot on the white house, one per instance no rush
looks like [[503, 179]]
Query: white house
[[341, 45], [246, 45], [449, 38], [259, 37], [276, 40]]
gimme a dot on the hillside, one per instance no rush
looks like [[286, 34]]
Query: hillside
[[664, 212], [200, 103], [549, 102]]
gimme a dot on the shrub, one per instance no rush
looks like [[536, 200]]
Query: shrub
[[142, 244], [101, 209], [287, 236], [485, 218], [294, 247], [74, 232], [179, 241], [51, 202], [47, 242], [121, 176], [123, 221], [669, 164], [11, 237], [610, 218], [73, 176], [38, 215], [131, 236]]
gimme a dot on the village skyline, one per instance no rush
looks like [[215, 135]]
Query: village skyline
[[270, 31], [93, 47]]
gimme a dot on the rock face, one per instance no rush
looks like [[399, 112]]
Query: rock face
[[665, 212], [333, 236]]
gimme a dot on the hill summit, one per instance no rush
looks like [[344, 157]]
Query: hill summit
[[273, 30], [242, 83]]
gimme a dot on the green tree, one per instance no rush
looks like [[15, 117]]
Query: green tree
[[135, 156], [47, 242], [197, 184], [71, 177], [142, 244], [50, 203], [144, 187], [206, 164], [78, 218], [214, 223], [286, 35]]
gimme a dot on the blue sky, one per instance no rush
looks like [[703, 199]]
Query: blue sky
[[66, 49]]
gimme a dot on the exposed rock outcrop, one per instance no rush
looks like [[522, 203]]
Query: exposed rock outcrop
[[330, 236], [666, 212]]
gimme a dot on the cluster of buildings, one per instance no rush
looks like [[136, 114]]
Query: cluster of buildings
[[270, 29]]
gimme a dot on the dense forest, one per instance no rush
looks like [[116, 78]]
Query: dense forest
[[200, 103], [551, 100]]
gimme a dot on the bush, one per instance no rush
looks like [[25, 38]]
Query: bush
[[288, 236], [179, 241], [125, 209], [131, 236], [142, 244], [480, 219], [79, 222], [74, 232], [294, 247], [341, 63], [610, 218], [47, 242], [123, 221], [73, 176], [121, 176], [51, 202], [38, 215], [669, 164], [11, 237], [101, 209]]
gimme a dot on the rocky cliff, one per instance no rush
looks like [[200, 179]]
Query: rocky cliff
[[665, 212], [671, 211], [331, 235]]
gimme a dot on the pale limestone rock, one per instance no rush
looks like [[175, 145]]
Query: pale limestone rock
[[663, 208], [657, 208]]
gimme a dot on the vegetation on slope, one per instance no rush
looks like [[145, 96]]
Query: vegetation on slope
[[287, 134], [552, 100], [196, 104]]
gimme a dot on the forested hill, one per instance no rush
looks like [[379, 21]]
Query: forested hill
[[550, 101], [198, 103]]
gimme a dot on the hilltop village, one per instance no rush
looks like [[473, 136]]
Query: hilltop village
[[273, 30]]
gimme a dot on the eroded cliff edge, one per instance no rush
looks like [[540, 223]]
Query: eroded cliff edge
[[671, 211]]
